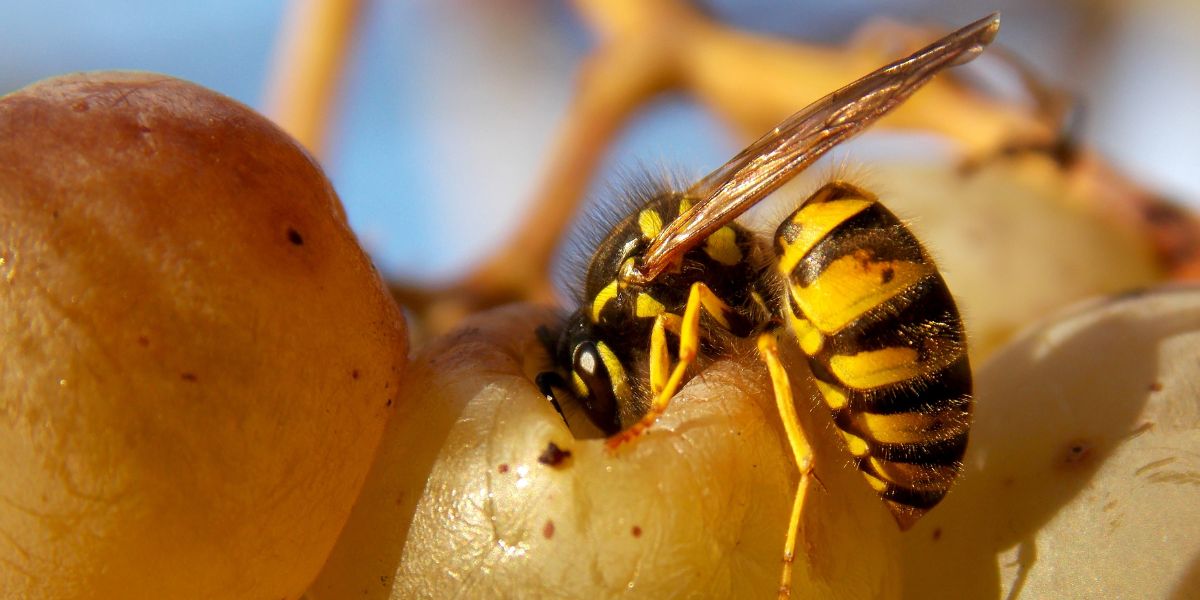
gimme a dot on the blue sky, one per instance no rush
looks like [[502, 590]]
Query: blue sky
[[448, 107]]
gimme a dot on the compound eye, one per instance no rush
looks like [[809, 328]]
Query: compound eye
[[598, 399], [587, 360]]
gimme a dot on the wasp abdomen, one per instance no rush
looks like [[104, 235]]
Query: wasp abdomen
[[884, 341]]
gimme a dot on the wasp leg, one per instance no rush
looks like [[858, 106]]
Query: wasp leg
[[801, 451], [700, 296], [660, 357]]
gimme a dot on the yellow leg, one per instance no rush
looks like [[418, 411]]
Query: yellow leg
[[660, 359], [712, 303], [689, 343], [801, 451]]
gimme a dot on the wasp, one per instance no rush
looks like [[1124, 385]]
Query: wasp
[[679, 277]]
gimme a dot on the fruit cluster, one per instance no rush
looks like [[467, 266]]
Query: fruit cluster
[[206, 393]]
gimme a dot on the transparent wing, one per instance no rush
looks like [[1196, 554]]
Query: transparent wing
[[803, 138]]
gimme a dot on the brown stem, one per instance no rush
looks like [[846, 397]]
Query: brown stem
[[310, 54]]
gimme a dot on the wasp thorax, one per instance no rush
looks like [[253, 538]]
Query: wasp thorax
[[603, 351]]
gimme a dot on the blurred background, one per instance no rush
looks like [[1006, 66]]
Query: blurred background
[[447, 108]]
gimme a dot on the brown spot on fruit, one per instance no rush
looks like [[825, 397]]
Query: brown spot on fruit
[[636, 531], [1156, 386], [553, 456], [191, 377], [503, 468], [548, 529], [937, 533], [294, 237], [1076, 452]]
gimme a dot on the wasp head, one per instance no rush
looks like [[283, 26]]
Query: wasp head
[[594, 374]]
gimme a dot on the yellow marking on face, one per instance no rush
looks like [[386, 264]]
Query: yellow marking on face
[[913, 427], [857, 445], [602, 298], [721, 246], [816, 220], [852, 285], [834, 397], [579, 387], [810, 337], [875, 368], [648, 307], [650, 223], [616, 372], [918, 477]]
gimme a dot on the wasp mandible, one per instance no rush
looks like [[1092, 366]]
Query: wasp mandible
[[883, 338]]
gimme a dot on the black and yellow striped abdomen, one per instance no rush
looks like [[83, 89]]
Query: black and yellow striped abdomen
[[884, 341]]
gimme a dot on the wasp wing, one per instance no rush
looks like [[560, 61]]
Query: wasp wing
[[801, 139]]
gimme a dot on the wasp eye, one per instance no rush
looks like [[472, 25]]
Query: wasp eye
[[585, 360], [598, 398]]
